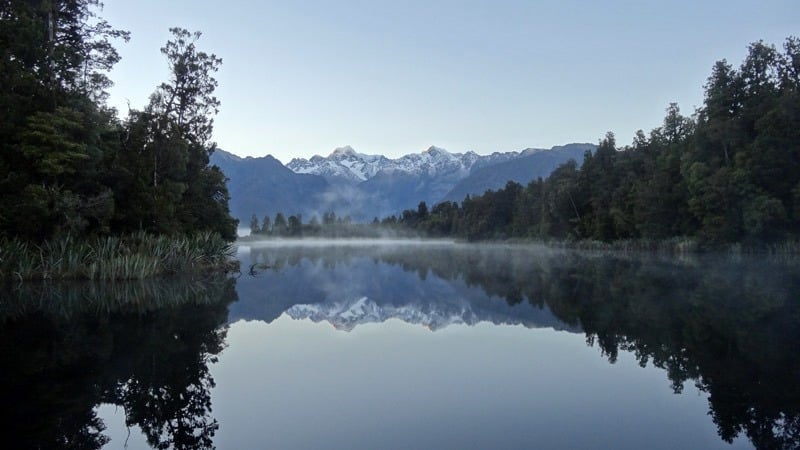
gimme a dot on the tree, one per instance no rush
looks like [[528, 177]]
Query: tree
[[295, 225], [254, 228], [167, 147], [280, 227], [422, 211], [266, 225], [54, 126]]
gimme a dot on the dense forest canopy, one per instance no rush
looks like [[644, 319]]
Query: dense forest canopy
[[730, 173], [69, 165]]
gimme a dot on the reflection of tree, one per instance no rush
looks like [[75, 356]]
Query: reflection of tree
[[41, 380], [167, 392], [730, 326], [148, 356]]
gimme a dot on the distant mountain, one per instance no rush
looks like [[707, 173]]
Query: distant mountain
[[425, 176], [366, 186], [530, 165], [344, 164], [347, 164], [265, 186], [378, 186]]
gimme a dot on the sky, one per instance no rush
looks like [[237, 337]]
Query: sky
[[395, 77]]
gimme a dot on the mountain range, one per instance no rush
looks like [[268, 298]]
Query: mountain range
[[365, 186]]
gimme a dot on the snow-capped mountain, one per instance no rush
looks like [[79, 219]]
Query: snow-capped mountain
[[344, 163], [365, 186]]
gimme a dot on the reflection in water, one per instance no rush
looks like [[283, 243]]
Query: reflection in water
[[143, 346], [731, 326]]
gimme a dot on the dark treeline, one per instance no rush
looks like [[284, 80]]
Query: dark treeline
[[730, 173], [68, 165]]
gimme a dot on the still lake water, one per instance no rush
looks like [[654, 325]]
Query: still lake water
[[412, 345]]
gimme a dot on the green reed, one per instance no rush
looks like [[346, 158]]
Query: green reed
[[135, 256]]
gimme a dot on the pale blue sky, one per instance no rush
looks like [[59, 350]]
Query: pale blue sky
[[394, 77]]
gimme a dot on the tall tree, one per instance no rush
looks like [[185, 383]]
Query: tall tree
[[54, 127], [168, 145]]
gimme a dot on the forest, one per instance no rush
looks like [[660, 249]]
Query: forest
[[69, 164], [78, 180], [727, 174]]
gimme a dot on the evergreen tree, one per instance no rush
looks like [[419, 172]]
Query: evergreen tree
[[280, 226], [266, 225], [54, 127], [165, 157], [254, 228]]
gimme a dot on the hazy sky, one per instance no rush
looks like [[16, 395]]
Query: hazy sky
[[394, 77]]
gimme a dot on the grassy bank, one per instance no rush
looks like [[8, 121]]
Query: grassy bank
[[134, 256]]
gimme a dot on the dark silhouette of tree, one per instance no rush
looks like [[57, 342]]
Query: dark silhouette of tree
[[74, 168]]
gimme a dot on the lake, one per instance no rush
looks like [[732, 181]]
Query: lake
[[365, 345]]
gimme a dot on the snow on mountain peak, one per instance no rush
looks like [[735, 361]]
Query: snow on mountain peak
[[347, 164]]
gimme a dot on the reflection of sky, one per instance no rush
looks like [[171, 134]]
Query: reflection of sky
[[296, 384]]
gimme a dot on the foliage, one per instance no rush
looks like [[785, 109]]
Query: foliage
[[73, 167], [134, 256], [728, 174]]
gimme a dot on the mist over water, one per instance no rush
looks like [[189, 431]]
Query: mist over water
[[407, 344], [697, 326], [388, 242]]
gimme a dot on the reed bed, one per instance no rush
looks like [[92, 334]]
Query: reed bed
[[135, 256]]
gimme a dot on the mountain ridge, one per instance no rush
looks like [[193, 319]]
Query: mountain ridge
[[364, 186]]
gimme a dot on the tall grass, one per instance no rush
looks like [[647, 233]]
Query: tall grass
[[134, 256]]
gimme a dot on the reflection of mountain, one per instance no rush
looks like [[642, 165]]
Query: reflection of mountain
[[434, 316], [731, 326], [347, 290]]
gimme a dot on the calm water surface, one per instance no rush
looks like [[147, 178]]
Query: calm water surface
[[413, 346]]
